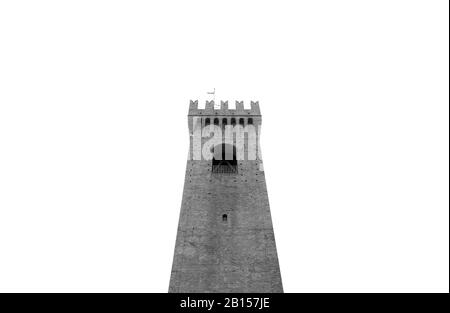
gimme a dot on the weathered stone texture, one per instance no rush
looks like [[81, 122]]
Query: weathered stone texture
[[236, 255]]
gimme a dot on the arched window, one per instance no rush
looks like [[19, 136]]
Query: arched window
[[216, 121], [224, 159], [233, 121], [250, 121], [224, 218], [207, 121], [241, 121], [224, 121]]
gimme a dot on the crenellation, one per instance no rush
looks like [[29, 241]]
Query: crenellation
[[222, 108], [209, 107], [224, 105], [255, 107], [193, 107]]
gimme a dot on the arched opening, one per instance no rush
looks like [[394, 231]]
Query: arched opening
[[224, 121], [224, 159], [216, 121], [250, 121], [224, 218], [233, 121], [241, 121], [207, 121]]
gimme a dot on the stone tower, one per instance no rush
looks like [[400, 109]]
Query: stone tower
[[225, 241]]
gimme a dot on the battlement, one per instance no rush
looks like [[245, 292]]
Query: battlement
[[221, 108]]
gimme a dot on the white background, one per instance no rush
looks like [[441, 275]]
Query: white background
[[93, 137]]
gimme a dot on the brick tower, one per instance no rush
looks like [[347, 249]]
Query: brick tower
[[225, 241]]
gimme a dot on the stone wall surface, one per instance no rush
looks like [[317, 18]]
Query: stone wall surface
[[233, 255]]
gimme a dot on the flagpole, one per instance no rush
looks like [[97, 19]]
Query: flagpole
[[212, 93]]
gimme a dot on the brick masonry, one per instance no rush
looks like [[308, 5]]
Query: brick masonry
[[233, 255]]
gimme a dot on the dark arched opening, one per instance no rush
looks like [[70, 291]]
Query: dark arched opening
[[224, 159]]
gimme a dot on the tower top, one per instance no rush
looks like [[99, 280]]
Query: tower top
[[221, 108]]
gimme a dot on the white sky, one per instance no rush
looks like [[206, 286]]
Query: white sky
[[93, 137]]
